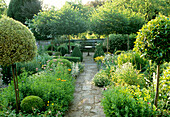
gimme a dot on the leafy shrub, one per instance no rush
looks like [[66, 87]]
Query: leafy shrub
[[101, 79], [77, 53], [134, 58], [55, 62], [127, 74], [164, 96], [29, 103], [120, 102], [63, 49], [98, 52]]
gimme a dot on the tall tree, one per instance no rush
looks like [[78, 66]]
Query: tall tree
[[23, 9], [66, 21], [107, 19]]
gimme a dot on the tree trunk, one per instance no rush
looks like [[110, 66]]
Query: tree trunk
[[69, 44], [108, 43], [157, 86], [17, 85], [16, 88], [128, 43]]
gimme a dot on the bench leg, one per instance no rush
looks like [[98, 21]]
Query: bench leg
[[88, 54]]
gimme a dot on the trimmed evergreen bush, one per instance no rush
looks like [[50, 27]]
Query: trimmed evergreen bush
[[29, 103], [98, 52], [77, 53]]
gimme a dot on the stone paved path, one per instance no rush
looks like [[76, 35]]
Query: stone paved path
[[87, 97]]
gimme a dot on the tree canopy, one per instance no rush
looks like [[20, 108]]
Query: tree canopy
[[148, 8], [107, 19], [66, 21], [23, 9]]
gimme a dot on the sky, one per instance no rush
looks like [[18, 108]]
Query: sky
[[56, 3]]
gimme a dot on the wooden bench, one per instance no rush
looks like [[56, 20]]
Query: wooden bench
[[88, 48]]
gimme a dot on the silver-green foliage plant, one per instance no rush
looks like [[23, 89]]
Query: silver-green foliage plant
[[101, 79], [126, 73], [17, 43]]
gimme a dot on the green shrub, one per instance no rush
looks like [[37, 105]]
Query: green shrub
[[120, 102], [63, 49], [126, 73], [98, 52], [101, 79], [77, 53], [163, 103], [134, 58], [55, 62], [29, 103]]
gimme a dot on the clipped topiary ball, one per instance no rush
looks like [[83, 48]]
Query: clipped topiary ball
[[17, 42], [77, 53], [31, 102], [153, 40]]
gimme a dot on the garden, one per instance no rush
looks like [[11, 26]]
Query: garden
[[130, 46]]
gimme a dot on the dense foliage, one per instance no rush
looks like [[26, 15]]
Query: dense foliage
[[66, 21], [107, 19], [98, 52], [23, 9], [129, 102], [120, 42], [148, 8]]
